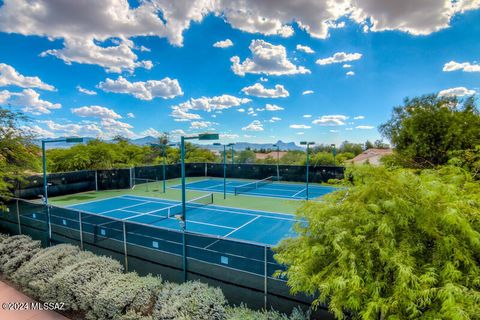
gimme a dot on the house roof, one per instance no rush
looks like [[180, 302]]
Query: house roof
[[371, 156], [273, 154]]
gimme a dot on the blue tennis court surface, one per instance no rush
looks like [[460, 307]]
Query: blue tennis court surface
[[226, 222], [275, 189]]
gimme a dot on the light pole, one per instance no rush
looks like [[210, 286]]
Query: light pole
[[164, 146], [183, 218], [44, 161], [45, 182], [224, 166], [278, 161], [334, 151], [305, 143]]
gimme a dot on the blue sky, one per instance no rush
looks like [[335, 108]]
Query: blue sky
[[279, 71]]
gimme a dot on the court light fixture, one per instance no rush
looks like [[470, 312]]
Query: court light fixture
[[183, 220], [308, 144], [45, 182], [224, 165]]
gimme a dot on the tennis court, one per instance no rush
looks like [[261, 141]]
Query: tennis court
[[202, 217], [262, 188]]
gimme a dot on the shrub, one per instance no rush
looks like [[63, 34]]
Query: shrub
[[190, 300], [132, 315], [3, 237], [126, 292], [396, 244], [78, 285], [15, 251], [35, 274], [244, 313]]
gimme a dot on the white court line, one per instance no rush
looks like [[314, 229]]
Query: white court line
[[234, 230], [86, 202], [211, 207], [190, 221], [217, 185], [299, 192], [180, 185], [121, 208], [166, 208]]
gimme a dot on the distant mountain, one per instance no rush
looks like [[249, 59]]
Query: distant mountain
[[145, 141]]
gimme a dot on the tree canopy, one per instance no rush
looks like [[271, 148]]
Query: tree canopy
[[425, 130], [18, 153], [394, 244]]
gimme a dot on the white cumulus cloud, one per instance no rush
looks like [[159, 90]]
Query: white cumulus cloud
[[101, 32], [339, 57], [182, 112], [364, 127], [223, 44], [166, 88], [305, 49], [29, 101], [201, 124], [457, 91], [229, 136], [307, 92], [331, 120], [273, 107], [11, 77], [258, 90], [151, 132], [299, 126], [266, 59], [463, 66], [86, 91], [96, 112], [255, 125]]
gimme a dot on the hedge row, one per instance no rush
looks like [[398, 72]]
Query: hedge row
[[97, 287]]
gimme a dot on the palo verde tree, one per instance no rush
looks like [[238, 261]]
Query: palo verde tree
[[395, 244], [18, 154], [425, 130]]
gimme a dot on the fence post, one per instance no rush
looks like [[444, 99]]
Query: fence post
[[265, 288], [132, 178], [80, 228], [125, 245], [96, 180], [49, 226], [206, 169], [18, 218]]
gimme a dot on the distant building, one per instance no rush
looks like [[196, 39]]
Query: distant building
[[273, 154], [371, 156]]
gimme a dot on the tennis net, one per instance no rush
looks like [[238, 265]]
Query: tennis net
[[145, 184], [113, 228], [253, 185], [172, 211]]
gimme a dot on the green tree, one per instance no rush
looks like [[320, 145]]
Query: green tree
[[379, 144], [269, 160], [426, 129], [321, 159], [346, 146], [18, 154], [294, 157], [393, 245], [369, 145], [246, 156], [468, 160]]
